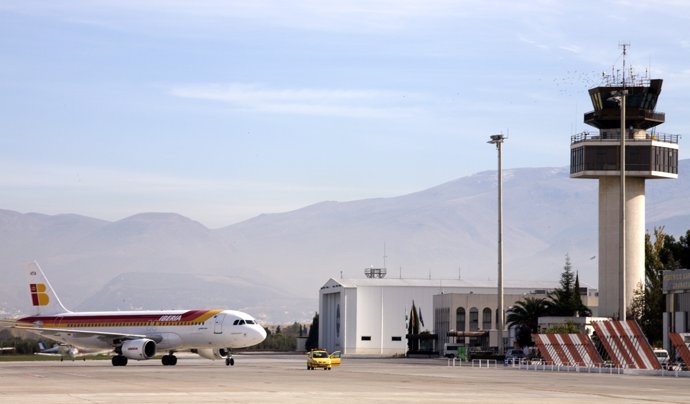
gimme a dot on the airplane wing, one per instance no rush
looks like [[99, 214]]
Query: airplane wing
[[57, 333], [7, 322]]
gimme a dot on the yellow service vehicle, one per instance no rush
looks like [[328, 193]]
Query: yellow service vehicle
[[335, 358], [318, 358]]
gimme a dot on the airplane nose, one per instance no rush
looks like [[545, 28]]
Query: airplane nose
[[260, 334]]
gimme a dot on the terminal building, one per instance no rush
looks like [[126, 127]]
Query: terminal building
[[370, 316], [676, 317]]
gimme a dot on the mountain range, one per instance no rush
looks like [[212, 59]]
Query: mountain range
[[273, 265]]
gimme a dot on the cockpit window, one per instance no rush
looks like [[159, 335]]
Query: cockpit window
[[243, 322]]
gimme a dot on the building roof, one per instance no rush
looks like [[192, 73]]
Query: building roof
[[440, 283]]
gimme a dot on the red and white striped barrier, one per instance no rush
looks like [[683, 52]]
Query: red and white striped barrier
[[626, 344], [681, 348], [567, 349]]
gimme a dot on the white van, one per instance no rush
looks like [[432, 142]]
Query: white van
[[662, 357], [450, 350]]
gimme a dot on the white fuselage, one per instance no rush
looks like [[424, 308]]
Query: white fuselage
[[172, 330]]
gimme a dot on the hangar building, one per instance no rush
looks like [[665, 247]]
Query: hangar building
[[369, 316]]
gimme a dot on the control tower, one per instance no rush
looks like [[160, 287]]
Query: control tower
[[626, 107]]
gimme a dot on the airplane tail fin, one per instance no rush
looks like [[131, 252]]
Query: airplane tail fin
[[43, 297]]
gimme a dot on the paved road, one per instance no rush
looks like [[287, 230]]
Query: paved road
[[285, 379]]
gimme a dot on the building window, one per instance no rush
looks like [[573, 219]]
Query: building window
[[486, 319], [474, 319], [396, 338], [460, 319], [442, 323], [366, 338]]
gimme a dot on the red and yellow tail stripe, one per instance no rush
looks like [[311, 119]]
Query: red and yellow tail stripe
[[158, 319], [39, 297]]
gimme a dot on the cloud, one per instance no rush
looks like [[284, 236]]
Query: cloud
[[532, 42], [308, 101], [572, 48]]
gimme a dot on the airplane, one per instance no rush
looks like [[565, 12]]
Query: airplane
[[137, 335]]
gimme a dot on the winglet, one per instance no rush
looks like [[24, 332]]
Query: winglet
[[43, 297]]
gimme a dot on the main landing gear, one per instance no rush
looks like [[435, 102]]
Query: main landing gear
[[169, 360], [119, 360]]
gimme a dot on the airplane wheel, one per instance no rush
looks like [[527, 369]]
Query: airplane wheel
[[119, 360], [173, 360], [229, 362]]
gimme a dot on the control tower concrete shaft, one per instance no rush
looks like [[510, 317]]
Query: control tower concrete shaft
[[648, 155]]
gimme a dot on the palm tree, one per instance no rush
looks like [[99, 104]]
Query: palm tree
[[524, 316]]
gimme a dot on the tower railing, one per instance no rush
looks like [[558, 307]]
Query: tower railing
[[596, 136]]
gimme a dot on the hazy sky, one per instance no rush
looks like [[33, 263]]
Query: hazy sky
[[222, 110]]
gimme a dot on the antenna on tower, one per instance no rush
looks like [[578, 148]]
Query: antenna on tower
[[379, 273], [384, 254], [625, 47]]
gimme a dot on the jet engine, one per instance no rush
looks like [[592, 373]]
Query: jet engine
[[139, 349], [212, 353]]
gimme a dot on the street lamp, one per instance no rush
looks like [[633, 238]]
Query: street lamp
[[498, 141]]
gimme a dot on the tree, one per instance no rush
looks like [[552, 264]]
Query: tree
[[683, 251], [577, 298], [413, 330], [648, 301], [566, 300], [527, 312], [524, 317], [284, 338], [313, 336]]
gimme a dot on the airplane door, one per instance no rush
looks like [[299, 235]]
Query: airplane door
[[218, 326]]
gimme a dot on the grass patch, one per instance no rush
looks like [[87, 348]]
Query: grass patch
[[44, 358]]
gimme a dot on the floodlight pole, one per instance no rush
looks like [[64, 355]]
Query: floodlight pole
[[622, 232], [498, 141]]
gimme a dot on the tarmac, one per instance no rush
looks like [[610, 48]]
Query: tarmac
[[285, 379]]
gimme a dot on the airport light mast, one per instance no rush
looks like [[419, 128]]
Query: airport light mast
[[498, 141]]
